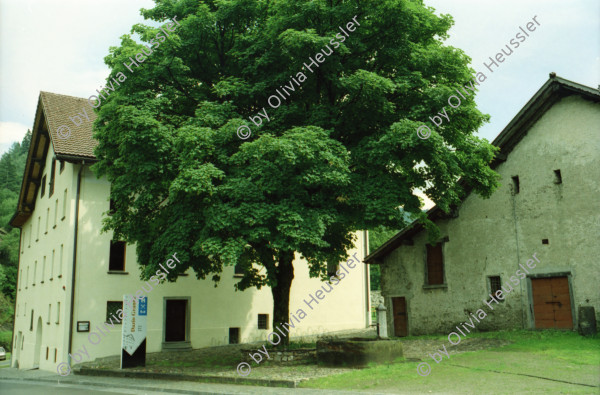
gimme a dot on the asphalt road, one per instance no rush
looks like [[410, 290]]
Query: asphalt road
[[28, 388]]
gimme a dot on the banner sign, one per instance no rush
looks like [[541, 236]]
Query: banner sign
[[133, 329]]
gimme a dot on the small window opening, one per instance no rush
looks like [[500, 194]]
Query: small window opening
[[495, 284], [263, 321], [112, 308], [234, 335], [43, 187], [117, 256], [238, 271], [545, 241], [516, 187], [557, 177]]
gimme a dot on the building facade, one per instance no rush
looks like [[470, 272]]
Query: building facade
[[535, 240], [72, 277]]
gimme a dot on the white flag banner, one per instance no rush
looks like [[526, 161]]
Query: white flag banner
[[134, 322]]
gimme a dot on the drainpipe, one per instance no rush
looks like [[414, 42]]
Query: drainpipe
[[74, 262]]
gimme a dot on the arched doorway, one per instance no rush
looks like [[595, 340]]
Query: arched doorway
[[16, 349], [38, 344]]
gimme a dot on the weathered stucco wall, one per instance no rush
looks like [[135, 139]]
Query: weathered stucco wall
[[491, 237]]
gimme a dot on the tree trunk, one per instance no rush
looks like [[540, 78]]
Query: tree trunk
[[281, 298]]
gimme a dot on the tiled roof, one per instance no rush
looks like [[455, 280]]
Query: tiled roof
[[57, 110]]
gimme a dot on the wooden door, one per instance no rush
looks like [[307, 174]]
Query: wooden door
[[400, 317], [176, 320], [552, 303]]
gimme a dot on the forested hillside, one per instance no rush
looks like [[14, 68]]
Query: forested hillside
[[12, 164]]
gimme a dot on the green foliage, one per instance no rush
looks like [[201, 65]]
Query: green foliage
[[6, 340], [339, 155], [12, 165]]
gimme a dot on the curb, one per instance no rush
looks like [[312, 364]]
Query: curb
[[186, 377]]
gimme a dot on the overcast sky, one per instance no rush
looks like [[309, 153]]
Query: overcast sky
[[59, 46]]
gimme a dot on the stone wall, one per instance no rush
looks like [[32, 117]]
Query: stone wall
[[491, 237]]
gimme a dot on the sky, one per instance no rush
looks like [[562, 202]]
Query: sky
[[59, 46]]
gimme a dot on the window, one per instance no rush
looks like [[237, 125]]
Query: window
[[47, 351], [47, 220], [43, 191], [20, 278], [30, 233], [332, 268], [111, 311], [55, 214], [545, 241], [52, 265], [60, 262], [43, 269], [495, 284], [435, 265], [55, 355], [117, 256], [64, 210], [52, 174], [234, 335], [238, 271], [49, 313], [62, 166], [263, 321], [24, 232], [31, 323], [516, 187], [34, 272], [38, 229], [27, 279], [557, 177], [58, 312]]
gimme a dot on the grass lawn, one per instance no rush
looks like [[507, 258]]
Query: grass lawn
[[563, 357]]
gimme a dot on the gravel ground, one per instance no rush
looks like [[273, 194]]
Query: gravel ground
[[210, 361]]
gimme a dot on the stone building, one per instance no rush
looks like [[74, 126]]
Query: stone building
[[72, 277], [548, 205]]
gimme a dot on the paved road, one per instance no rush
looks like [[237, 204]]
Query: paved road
[[30, 388], [26, 382]]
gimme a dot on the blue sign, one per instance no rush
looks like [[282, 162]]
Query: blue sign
[[143, 306]]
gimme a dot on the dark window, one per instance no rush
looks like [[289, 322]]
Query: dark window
[[55, 355], [516, 187], [234, 335], [111, 207], [238, 271], [52, 174], [495, 284], [31, 323], [47, 352], [117, 256], [43, 186], [62, 166], [435, 265], [557, 177], [263, 321], [332, 268], [111, 312], [545, 241]]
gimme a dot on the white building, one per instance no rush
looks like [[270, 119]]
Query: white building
[[70, 273]]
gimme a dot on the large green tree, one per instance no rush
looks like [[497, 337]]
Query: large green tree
[[340, 154]]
